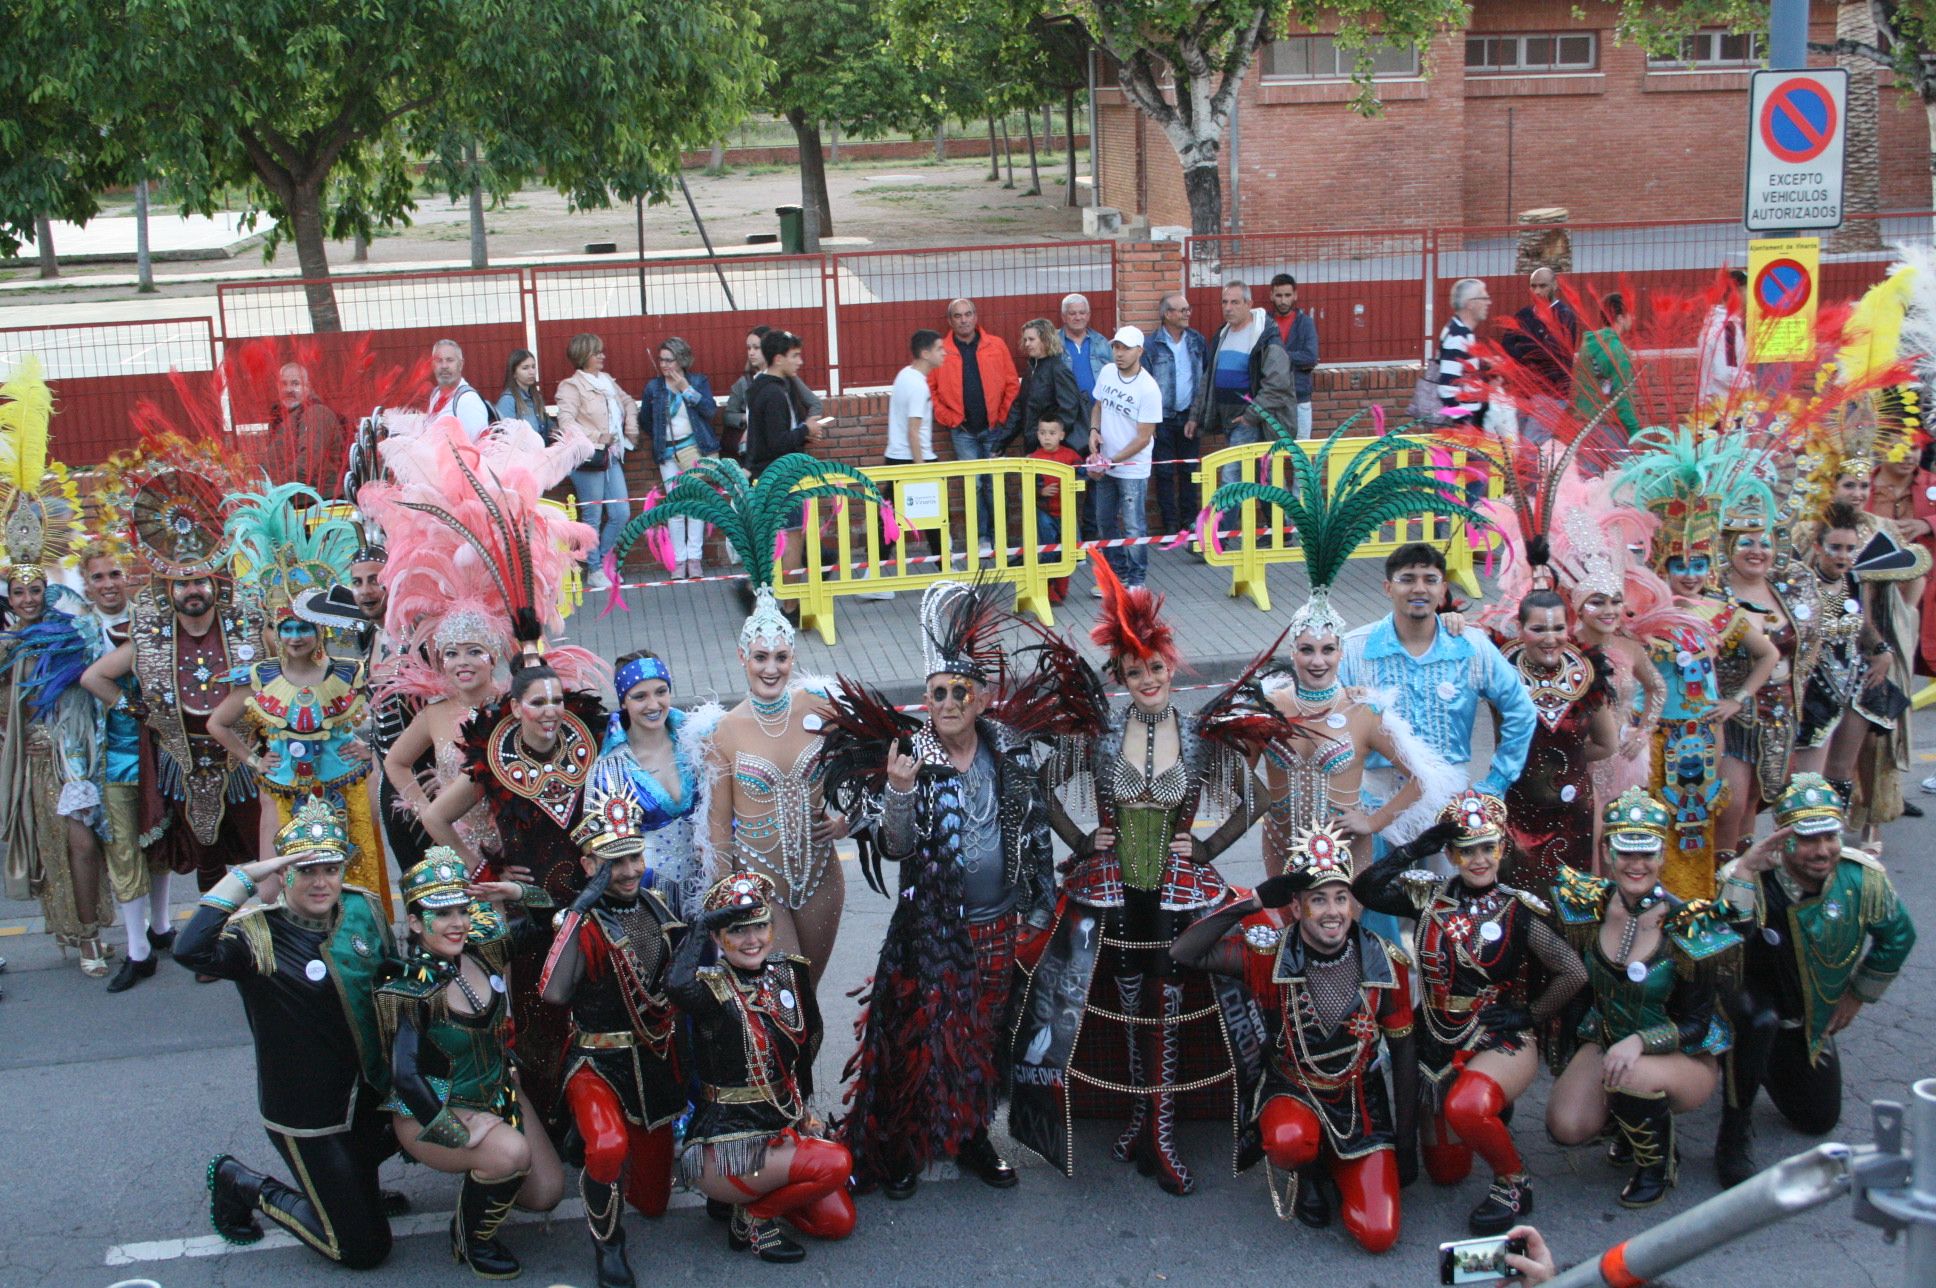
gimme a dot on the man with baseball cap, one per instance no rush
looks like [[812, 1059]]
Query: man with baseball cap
[[1805, 903], [307, 969], [1128, 405]]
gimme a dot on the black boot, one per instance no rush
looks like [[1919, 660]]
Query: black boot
[[132, 972], [481, 1209], [718, 1211], [1648, 1125], [1619, 1154], [1507, 1204], [1171, 1175], [1734, 1148], [1129, 1146], [603, 1209], [1312, 1206], [979, 1157], [395, 1203], [764, 1238], [164, 943], [905, 1179], [233, 1191]]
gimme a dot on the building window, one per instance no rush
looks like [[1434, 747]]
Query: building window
[[1577, 51], [1711, 49], [1322, 58]]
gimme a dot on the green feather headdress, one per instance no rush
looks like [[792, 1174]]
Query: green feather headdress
[[286, 552], [1332, 521], [751, 515], [1695, 480]]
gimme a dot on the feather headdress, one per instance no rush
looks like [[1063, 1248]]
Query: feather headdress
[[1332, 519], [175, 521], [752, 515], [39, 505], [291, 545], [1689, 478], [959, 625], [1131, 625]]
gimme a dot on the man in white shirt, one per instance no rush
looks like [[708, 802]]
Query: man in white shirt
[[910, 421], [1128, 406], [452, 395], [1723, 344]]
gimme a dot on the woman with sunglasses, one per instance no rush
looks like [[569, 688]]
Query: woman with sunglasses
[[1779, 595]]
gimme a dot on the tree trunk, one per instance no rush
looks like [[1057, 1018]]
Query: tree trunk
[[716, 164], [44, 246], [1204, 185], [312, 257], [144, 260], [1862, 172], [1069, 129], [480, 250], [1048, 128], [994, 153], [359, 249], [1035, 170], [813, 180], [941, 139], [1008, 155]]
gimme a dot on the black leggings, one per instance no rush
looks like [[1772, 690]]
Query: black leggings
[[1767, 1055], [407, 839], [336, 1206]]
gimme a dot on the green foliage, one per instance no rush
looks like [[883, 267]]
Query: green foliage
[[1906, 31], [54, 158], [832, 60]]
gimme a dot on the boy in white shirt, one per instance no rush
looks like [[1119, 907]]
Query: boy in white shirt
[[910, 421], [1127, 408]]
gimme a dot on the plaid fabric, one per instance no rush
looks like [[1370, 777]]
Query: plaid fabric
[[995, 959]]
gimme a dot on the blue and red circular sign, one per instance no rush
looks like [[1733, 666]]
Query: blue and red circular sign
[[1798, 121], [1782, 288]]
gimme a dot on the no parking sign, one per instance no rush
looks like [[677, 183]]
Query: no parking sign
[[1782, 292], [1795, 132]]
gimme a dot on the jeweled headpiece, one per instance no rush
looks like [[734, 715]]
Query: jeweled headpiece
[[615, 829], [1810, 806], [291, 544], [175, 521], [1324, 853], [765, 622], [1480, 817], [39, 508], [750, 892], [1636, 823], [470, 624], [315, 826], [439, 880], [1688, 477], [959, 623]]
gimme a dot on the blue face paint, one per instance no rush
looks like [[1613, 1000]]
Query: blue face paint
[[295, 628], [1697, 566]]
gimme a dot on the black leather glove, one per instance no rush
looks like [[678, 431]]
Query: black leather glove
[[1275, 892], [720, 918], [594, 889], [1506, 1017], [1433, 840]]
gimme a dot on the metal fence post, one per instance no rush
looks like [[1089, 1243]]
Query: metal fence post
[[830, 298], [1428, 270]]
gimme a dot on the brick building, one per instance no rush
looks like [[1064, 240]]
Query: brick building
[[1583, 123]]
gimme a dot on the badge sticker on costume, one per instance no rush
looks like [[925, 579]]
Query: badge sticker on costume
[[361, 946], [1447, 691], [1568, 792], [497, 983], [298, 749], [1851, 606], [245, 651], [1336, 720], [1832, 910], [1803, 612], [1637, 972], [786, 998], [1684, 658], [316, 971], [1929, 493], [1772, 936], [811, 722], [1490, 932]]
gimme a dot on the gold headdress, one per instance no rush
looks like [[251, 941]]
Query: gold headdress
[[39, 509]]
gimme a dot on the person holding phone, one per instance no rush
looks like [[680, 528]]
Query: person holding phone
[[677, 409], [779, 424]]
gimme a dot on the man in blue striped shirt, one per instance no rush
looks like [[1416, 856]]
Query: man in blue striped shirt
[[1470, 305]]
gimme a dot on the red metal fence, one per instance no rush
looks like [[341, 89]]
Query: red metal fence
[[1378, 295]]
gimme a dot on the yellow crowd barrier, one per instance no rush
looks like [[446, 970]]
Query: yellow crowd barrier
[[1273, 542], [927, 498]]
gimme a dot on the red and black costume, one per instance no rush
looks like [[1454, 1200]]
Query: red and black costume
[[1492, 969], [608, 964], [536, 802], [1551, 803]]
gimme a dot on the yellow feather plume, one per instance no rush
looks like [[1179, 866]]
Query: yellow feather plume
[[26, 409]]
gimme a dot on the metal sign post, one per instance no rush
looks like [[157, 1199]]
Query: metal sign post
[[1796, 126]]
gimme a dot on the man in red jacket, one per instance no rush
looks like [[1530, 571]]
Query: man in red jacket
[[973, 388]]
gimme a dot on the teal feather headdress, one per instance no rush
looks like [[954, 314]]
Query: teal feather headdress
[[287, 551], [751, 515], [1695, 481], [1333, 520]]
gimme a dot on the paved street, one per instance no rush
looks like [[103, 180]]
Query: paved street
[[114, 1104]]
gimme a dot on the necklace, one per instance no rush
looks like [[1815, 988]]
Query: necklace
[[464, 987], [1553, 692], [1635, 911], [1318, 695], [764, 713], [1151, 723], [979, 806]]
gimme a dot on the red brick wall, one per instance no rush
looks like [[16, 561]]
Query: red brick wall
[[1621, 143]]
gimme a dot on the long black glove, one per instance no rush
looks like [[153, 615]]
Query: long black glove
[[1377, 887], [594, 889], [1275, 892]]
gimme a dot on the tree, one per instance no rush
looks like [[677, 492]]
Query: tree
[[1899, 37], [320, 109], [54, 155], [1181, 63]]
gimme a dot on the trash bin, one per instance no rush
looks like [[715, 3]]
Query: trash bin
[[793, 229]]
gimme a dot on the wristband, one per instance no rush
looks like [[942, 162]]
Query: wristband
[[217, 901], [248, 882]]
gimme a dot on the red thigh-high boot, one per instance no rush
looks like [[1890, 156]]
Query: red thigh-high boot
[[1368, 1188], [1447, 1162], [815, 1198], [1472, 1108], [607, 1145], [1292, 1139], [648, 1183]]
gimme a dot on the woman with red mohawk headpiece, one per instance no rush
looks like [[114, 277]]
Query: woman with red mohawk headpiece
[[1138, 878]]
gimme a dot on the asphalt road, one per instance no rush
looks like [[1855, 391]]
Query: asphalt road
[[112, 1106]]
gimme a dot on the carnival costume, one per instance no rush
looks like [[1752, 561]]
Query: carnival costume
[[308, 988], [1764, 733], [451, 1071], [976, 873], [622, 1073], [182, 678], [1339, 1092], [1330, 521], [308, 725], [755, 1035], [1668, 998], [1123, 906], [1806, 951], [1492, 970], [753, 516], [675, 869]]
